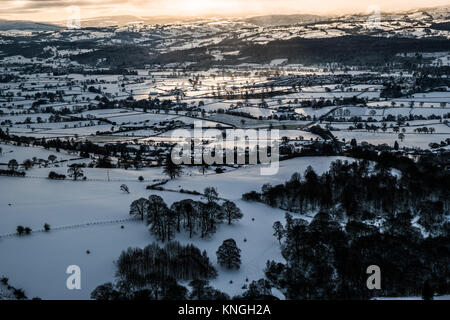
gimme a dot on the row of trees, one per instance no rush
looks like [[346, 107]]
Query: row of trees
[[74, 171], [193, 217], [425, 130], [166, 289], [21, 230]]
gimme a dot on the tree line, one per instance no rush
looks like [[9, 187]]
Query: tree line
[[365, 213], [193, 217], [152, 273], [364, 191]]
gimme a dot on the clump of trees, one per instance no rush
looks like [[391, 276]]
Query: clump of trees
[[193, 217], [361, 192], [391, 90], [56, 176], [153, 272], [12, 173], [174, 259], [21, 230]]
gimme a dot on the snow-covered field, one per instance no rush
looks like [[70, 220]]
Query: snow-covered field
[[22, 153], [134, 114], [411, 140], [37, 262]]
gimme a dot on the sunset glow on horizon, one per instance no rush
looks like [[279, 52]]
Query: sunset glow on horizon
[[54, 10]]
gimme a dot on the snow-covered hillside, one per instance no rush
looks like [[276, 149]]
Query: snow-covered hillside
[[88, 215]]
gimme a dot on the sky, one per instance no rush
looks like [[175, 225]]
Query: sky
[[58, 10]]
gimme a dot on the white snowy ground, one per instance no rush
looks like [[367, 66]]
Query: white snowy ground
[[20, 153], [411, 140], [37, 263]]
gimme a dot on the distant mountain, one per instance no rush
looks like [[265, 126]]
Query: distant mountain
[[279, 20], [442, 12], [99, 22], [424, 15], [119, 21], [270, 20], [6, 25]]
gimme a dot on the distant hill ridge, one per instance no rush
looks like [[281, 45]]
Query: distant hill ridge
[[275, 20], [440, 13], [6, 25]]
